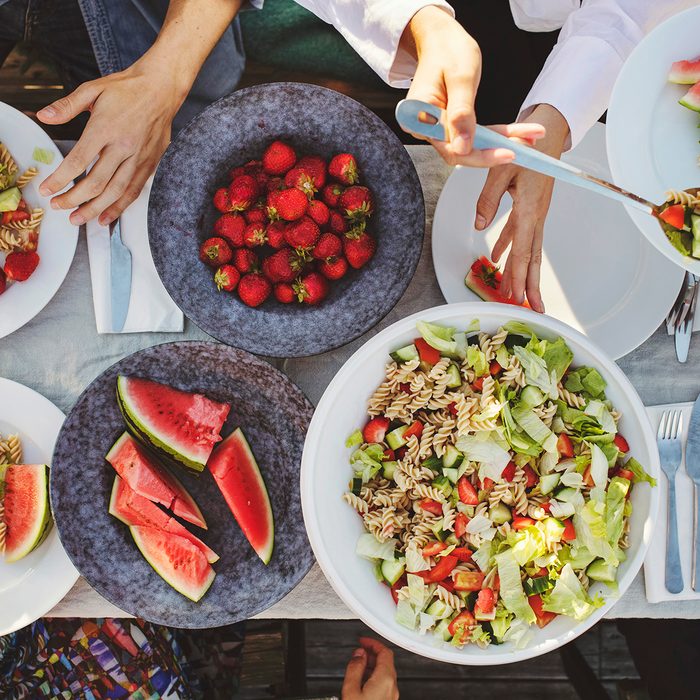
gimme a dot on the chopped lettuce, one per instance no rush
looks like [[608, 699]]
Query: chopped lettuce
[[526, 544], [482, 556], [588, 381], [43, 155], [512, 592], [477, 360], [599, 466], [535, 427], [490, 456], [425, 622], [600, 412], [417, 591], [639, 472], [415, 561], [519, 328], [355, 439], [439, 337], [615, 508], [591, 531], [371, 548], [536, 372], [406, 615], [568, 597], [558, 357]]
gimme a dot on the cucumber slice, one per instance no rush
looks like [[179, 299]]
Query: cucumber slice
[[553, 529], [695, 225], [405, 354], [395, 438], [548, 482], [455, 378], [452, 457], [500, 514], [534, 586], [356, 485], [388, 469], [434, 463], [442, 630], [377, 569], [451, 474], [489, 627], [439, 533], [482, 616], [439, 609], [443, 484], [600, 571], [392, 571], [531, 396], [566, 494], [452, 539], [582, 559], [695, 248]]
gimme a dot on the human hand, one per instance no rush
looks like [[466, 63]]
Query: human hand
[[370, 673], [531, 193], [448, 75], [127, 132]]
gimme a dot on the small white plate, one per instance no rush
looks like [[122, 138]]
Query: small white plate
[[32, 586], [598, 274], [57, 238], [652, 140]]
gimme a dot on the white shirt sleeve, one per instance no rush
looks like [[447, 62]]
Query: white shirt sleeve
[[579, 74], [374, 28]]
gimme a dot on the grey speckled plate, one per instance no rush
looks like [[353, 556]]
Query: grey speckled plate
[[274, 415], [236, 129]]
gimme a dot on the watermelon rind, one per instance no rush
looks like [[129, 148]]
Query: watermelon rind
[[194, 590], [265, 550], [691, 99], [41, 524], [178, 453]]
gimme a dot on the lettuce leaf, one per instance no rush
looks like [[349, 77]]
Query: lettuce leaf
[[371, 548], [534, 426], [406, 615], [569, 598], [615, 508], [512, 592], [482, 556], [526, 544], [558, 357], [586, 380], [477, 360], [519, 328], [490, 456], [417, 591], [355, 439], [639, 472], [599, 466], [600, 412], [415, 561], [43, 155], [591, 532], [536, 372]]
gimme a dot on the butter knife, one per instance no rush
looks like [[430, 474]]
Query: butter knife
[[120, 276], [692, 468]]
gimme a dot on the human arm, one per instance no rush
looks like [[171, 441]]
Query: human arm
[[370, 673], [131, 113]]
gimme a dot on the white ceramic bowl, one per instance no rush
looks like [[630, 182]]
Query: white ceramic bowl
[[333, 527]]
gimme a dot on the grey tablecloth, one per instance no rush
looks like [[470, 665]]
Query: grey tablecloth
[[59, 353]]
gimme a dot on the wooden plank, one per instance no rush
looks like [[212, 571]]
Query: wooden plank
[[615, 659], [263, 656]]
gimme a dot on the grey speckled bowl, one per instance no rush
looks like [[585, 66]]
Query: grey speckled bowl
[[236, 129], [274, 415]]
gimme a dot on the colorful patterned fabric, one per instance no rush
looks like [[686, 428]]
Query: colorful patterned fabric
[[62, 659]]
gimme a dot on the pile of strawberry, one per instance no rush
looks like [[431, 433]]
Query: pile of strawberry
[[289, 227]]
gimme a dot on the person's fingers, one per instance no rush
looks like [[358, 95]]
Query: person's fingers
[[504, 240], [495, 187], [461, 120], [133, 190], [93, 184], [384, 657], [488, 158], [532, 284], [352, 685], [70, 106], [519, 130], [520, 254]]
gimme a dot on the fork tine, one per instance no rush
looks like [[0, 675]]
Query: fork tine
[[679, 433], [673, 426], [662, 427]]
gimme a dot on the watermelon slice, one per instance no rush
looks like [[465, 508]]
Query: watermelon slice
[[126, 505], [184, 426], [176, 560], [685, 72], [484, 279], [691, 99], [152, 481], [238, 477], [27, 512]]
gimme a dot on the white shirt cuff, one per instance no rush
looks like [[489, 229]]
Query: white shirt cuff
[[577, 80]]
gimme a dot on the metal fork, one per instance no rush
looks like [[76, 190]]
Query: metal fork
[[685, 321], [668, 438]]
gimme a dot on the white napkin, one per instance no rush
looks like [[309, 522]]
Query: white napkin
[[150, 307], [655, 562]]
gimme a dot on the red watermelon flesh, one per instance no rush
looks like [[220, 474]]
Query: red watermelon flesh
[[126, 505], [151, 480], [484, 279], [238, 477], [176, 560], [691, 99], [185, 426], [685, 72]]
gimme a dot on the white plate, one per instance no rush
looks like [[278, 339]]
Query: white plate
[[652, 140], [598, 274], [32, 586], [58, 237], [333, 527]]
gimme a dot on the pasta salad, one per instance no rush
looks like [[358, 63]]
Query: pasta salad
[[493, 484]]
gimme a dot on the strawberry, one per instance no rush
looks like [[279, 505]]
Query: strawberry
[[230, 226], [236, 172], [290, 204], [319, 212], [226, 278], [257, 214], [282, 266], [255, 235], [12, 216], [311, 289], [20, 266], [215, 252], [284, 293], [337, 223], [254, 289], [359, 249], [343, 168], [243, 191], [275, 234], [244, 260], [333, 268], [316, 167], [221, 199], [253, 167], [274, 184], [331, 194], [302, 234], [3, 281], [375, 430], [278, 158], [302, 180], [356, 202], [328, 246]]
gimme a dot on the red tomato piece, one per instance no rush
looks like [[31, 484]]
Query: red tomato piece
[[468, 580], [509, 472], [564, 446], [531, 477], [494, 368], [441, 570], [452, 408], [405, 387], [520, 523], [587, 478], [462, 553], [569, 533], [461, 626], [6, 217], [486, 600], [433, 548], [674, 216], [540, 573], [390, 455], [427, 352], [542, 617], [375, 430], [447, 585], [546, 507], [467, 493], [625, 474], [431, 506], [395, 588], [461, 522], [487, 484], [478, 384], [621, 443], [416, 428]]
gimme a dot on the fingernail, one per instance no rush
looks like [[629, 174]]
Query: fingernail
[[358, 653], [480, 222], [44, 190], [462, 144], [47, 112], [77, 219], [55, 204]]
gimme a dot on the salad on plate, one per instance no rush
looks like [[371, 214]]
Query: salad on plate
[[493, 484]]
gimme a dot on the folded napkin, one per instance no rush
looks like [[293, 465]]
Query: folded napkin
[[655, 562], [150, 308]]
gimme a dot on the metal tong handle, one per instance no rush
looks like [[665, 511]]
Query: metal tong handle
[[408, 113]]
